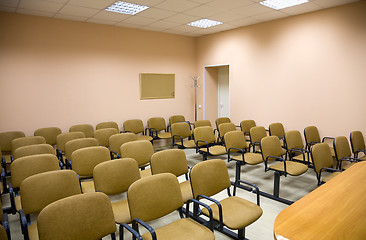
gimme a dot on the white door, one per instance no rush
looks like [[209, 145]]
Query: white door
[[223, 92]]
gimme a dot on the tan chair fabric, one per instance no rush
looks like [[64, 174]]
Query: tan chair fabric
[[107, 125], [63, 138], [83, 217], [226, 127], [357, 142], [294, 141], [276, 129], [257, 133], [136, 126], [246, 125], [221, 120], [201, 123], [3, 234], [322, 158], [114, 177], [116, 141], [44, 148], [6, 138], [311, 134], [207, 134], [140, 150], [87, 129], [176, 119], [26, 141], [157, 125], [49, 133], [183, 130], [103, 135], [78, 143]]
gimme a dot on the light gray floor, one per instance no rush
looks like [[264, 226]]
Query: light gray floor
[[292, 188]]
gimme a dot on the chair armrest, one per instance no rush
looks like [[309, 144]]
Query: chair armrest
[[202, 204], [134, 233], [24, 224], [277, 158], [68, 163], [330, 169], [219, 207], [152, 131], [237, 149], [12, 198], [254, 191], [181, 139], [145, 225]]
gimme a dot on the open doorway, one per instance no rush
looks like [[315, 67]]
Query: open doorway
[[216, 90]]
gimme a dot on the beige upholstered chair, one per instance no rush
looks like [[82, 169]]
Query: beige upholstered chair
[[223, 129], [295, 147], [26, 141], [158, 128], [87, 129], [323, 161], [49, 133], [42, 189], [180, 132], [256, 134], [25, 167], [312, 137], [75, 144], [62, 139], [84, 160], [6, 139], [245, 127], [272, 152], [115, 177], [343, 153], [205, 140], [221, 120], [107, 125], [136, 126], [358, 144], [147, 205], [176, 119], [173, 161], [238, 150], [86, 216], [34, 149], [211, 177], [277, 129], [116, 141], [202, 123], [141, 151], [103, 135]]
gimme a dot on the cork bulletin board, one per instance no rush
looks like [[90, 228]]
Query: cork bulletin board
[[157, 85]]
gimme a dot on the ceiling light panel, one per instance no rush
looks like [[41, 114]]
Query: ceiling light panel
[[280, 4], [204, 23], [126, 8]]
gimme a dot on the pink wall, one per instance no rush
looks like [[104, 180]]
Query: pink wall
[[59, 73], [303, 70]]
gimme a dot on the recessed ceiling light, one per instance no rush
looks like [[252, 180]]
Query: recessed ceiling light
[[204, 23], [126, 8], [279, 4]]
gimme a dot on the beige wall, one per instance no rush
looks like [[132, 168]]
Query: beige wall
[[59, 73], [302, 70]]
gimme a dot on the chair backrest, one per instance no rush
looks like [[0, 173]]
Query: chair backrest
[[41, 189], [235, 139], [176, 119], [221, 120], [246, 125], [87, 129], [293, 139], [107, 125], [116, 141], [6, 138], [26, 141], [113, 177], [181, 129], [103, 135], [78, 143], [84, 160], [157, 123], [257, 133], [30, 165], [63, 138], [201, 123], [49, 133], [276, 129], [205, 133], [341, 147], [169, 161], [3, 234], [311, 135], [33, 149], [357, 141], [226, 127], [148, 205], [321, 156], [87, 216], [140, 150], [133, 125], [271, 146], [209, 177]]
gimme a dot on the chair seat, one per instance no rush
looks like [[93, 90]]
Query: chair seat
[[186, 189], [363, 158], [234, 219], [292, 168], [145, 173], [121, 211], [189, 144], [87, 186], [346, 165], [33, 231], [144, 137], [182, 229], [330, 176], [301, 158], [164, 135], [250, 158], [215, 150]]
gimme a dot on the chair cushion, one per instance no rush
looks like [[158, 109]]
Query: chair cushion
[[186, 189], [182, 229], [121, 211], [188, 144], [215, 150], [331, 176], [237, 212], [250, 158], [144, 137], [87, 186], [292, 168], [33, 231], [145, 173], [164, 135]]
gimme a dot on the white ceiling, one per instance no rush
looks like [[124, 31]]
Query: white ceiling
[[170, 16]]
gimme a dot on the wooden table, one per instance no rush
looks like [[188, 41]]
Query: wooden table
[[335, 210]]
